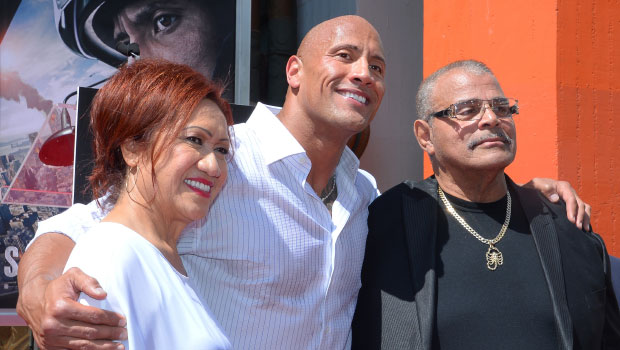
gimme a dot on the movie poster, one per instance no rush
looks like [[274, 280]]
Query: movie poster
[[50, 47]]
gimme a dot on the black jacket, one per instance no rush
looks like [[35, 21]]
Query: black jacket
[[396, 303]]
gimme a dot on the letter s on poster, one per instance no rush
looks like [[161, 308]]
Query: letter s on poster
[[10, 254]]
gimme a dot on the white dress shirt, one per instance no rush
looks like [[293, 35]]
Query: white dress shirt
[[277, 271]]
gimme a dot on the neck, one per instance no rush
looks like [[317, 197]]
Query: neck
[[144, 218], [480, 187], [323, 145]]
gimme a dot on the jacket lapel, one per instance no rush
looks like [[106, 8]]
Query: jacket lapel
[[547, 245], [420, 216]]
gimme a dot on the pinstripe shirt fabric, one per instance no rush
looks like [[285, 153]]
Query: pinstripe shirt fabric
[[277, 271]]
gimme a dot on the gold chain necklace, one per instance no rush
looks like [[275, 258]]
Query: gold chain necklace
[[494, 256]]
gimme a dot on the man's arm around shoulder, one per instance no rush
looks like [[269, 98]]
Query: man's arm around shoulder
[[47, 299]]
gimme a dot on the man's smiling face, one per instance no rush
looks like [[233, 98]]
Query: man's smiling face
[[342, 75]]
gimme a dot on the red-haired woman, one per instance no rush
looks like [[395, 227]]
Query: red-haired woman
[[161, 143]]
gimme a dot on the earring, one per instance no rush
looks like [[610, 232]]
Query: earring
[[135, 179]]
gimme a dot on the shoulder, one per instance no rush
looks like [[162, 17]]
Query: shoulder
[[73, 222], [366, 183], [389, 213], [246, 132], [110, 234], [109, 250], [366, 177], [535, 203], [412, 190]]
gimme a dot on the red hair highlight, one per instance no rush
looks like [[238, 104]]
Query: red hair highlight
[[145, 102]]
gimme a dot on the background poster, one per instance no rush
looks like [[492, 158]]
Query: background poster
[[50, 47]]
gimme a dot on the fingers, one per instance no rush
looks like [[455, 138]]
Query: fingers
[[553, 197], [65, 321], [572, 201], [78, 335], [76, 329], [582, 219], [546, 186], [580, 212], [95, 345], [586, 218], [61, 300], [70, 310], [73, 343], [577, 211], [83, 283]]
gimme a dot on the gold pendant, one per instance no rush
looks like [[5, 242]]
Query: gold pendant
[[494, 257]]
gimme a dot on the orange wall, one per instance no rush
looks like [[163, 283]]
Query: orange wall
[[588, 89], [560, 60]]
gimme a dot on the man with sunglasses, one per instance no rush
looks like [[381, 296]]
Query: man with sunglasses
[[468, 260]]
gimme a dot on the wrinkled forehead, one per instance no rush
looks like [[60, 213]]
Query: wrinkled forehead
[[457, 86]]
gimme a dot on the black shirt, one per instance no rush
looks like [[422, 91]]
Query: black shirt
[[509, 308]]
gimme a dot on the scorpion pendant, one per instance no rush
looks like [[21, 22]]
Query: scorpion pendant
[[494, 257]]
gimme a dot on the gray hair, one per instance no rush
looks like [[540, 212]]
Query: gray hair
[[425, 91]]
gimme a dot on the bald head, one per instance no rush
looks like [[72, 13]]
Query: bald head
[[323, 33], [336, 80]]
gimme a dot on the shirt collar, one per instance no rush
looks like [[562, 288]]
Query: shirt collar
[[348, 165], [276, 140]]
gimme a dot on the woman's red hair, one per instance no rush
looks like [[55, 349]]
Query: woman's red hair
[[145, 102]]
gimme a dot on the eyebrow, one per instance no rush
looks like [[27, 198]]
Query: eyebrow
[[356, 48], [206, 131], [145, 13]]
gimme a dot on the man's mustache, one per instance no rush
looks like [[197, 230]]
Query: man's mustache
[[495, 134]]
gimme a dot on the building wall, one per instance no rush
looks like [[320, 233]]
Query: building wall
[[393, 154], [588, 88]]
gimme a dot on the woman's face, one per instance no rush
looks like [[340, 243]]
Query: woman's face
[[192, 170]]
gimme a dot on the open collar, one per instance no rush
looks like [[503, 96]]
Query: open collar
[[277, 142]]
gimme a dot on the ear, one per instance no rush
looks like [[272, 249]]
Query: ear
[[293, 71], [131, 154], [422, 131]]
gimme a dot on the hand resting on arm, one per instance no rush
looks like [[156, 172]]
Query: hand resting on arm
[[47, 300]]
